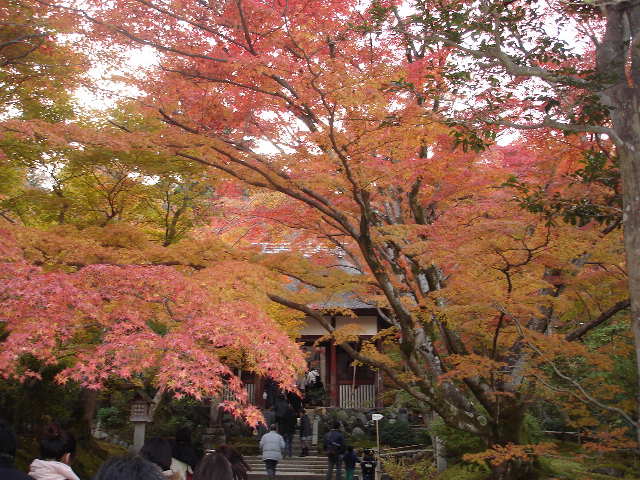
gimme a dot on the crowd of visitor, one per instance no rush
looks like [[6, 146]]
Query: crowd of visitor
[[159, 459], [338, 453], [277, 443]]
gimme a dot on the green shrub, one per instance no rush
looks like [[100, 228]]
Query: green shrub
[[361, 442], [112, 417], [405, 469], [531, 431], [464, 471], [396, 434], [246, 446], [422, 436], [456, 441]]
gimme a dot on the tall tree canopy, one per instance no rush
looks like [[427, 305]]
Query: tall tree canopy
[[102, 268], [346, 113]]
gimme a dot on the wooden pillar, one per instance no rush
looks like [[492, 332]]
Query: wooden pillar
[[379, 389], [259, 391], [379, 381], [323, 365], [334, 375]]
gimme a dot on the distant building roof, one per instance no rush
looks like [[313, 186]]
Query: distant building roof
[[343, 300], [336, 300]]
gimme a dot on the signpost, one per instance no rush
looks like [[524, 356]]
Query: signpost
[[376, 417]]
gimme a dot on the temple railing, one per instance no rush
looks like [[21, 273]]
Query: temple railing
[[362, 396], [250, 388]]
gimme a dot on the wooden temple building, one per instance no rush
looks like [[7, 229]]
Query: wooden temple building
[[345, 385]]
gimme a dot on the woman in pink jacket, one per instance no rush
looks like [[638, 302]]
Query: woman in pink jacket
[[56, 449]]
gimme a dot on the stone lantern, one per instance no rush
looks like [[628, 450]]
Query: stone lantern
[[140, 417]]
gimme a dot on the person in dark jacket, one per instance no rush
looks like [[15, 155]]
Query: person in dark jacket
[[288, 430], [350, 459], [281, 408], [129, 468], [183, 450], [306, 432], [271, 390], [213, 466], [238, 464], [295, 401], [334, 446], [368, 465], [8, 446]]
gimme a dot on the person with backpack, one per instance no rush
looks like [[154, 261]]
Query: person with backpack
[[368, 465], [334, 445]]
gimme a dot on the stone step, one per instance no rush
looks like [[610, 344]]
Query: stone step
[[287, 475], [289, 462], [290, 465], [291, 469], [309, 460], [302, 475]]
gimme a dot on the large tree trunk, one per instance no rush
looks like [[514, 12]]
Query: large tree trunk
[[630, 166], [619, 45], [83, 419], [507, 430], [514, 469]]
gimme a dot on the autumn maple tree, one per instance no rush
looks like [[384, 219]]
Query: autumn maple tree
[[103, 272], [342, 121], [562, 67], [98, 273]]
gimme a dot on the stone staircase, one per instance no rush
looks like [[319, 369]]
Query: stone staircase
[[312, 467], [296, 468]]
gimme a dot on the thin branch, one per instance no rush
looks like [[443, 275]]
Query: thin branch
[[603, 317], [575, 383]]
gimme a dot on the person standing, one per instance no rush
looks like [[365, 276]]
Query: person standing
[[128, 468], [288, 430], [306, 432], [295, 401], [271, 445], [350, 459], [334, 446], [56, 449], [158, 450], [184, 457], [368, 465], [214, 466], [238, 464], [281, 409]]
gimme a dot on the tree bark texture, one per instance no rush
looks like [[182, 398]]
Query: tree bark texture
[[618, 56]]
